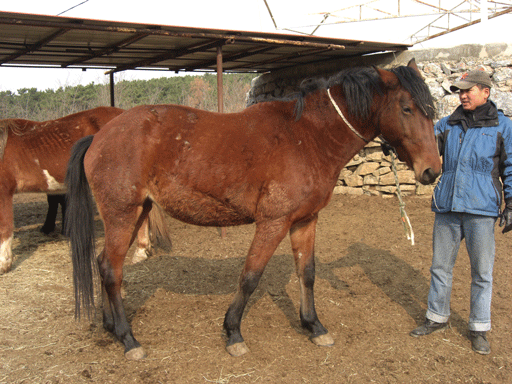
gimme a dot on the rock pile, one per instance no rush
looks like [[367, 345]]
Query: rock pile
[[371, 172]]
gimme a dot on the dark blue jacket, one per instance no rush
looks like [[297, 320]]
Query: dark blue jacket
[[477, 161]]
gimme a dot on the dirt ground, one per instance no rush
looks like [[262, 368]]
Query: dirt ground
[[371, 290]]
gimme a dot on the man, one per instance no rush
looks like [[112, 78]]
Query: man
[[476, 145]]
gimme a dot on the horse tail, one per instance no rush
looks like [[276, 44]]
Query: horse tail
[[79, 226], [159, 231]]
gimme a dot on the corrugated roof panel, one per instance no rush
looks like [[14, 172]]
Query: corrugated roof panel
[[39, 40]]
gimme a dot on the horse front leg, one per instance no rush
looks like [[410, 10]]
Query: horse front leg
[[6, 232], [266, 239], [143, 248], [302, 237]]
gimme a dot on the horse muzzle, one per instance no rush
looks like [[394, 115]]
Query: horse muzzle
[[428, 176]]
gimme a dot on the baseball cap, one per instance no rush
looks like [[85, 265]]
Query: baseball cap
[[472, 78]]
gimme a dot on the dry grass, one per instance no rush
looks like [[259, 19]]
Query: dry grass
[[370, 292]]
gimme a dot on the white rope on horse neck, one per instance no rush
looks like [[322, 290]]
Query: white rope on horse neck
[[343, 117], [405, 219]]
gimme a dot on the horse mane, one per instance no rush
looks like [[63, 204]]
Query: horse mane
[[359, 86], [5, 126]]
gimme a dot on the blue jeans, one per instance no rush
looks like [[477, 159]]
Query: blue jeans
[[449, 230]]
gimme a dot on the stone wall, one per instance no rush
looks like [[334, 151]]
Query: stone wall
[[370, 172]]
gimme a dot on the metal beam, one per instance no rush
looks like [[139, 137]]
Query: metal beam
[[429, 37], [230, 58], [172, 54], [378, 10], [107, 50], [290, 41], [34, 47]]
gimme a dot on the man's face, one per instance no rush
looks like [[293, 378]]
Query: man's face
[[473, 97]]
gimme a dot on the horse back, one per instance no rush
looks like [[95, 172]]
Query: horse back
[[35, 153]]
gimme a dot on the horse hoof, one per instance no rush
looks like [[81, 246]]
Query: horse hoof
[[5, 268], [237, 349], [324, 340], [135, 354], [139, 255], [46, 231]]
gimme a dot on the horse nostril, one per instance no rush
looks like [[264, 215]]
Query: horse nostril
[[428, 177]]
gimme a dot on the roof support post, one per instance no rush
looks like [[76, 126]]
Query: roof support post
[[220, 103], [220, 87], [112, 98]]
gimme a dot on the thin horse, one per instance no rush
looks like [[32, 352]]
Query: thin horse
[[33, 158], [274, 164]]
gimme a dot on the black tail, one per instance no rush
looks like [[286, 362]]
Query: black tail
[[79, 227]]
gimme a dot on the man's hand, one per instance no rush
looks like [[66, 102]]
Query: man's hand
[[506, 218]]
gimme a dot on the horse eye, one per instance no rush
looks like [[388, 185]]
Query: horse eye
[[407, 110]]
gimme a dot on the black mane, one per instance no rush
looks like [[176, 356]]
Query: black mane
[[359, 86]]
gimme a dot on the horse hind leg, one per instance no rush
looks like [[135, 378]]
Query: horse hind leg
[[266, 239], [302, 237], [119, 235]]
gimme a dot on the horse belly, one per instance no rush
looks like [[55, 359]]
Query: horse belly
[[39, 180], [200, 209]]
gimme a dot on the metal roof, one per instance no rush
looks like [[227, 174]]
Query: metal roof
[[53, 41]]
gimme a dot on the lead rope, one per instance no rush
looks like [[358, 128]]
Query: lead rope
[[405, 219]]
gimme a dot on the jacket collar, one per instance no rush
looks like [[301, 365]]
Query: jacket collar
[[485, 115]]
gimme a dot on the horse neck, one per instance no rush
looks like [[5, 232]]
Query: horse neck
[[340, 139]]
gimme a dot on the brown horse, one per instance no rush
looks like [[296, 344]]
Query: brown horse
[[33, 158], [274, 164]]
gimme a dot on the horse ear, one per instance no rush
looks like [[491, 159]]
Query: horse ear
[[412, 64], [388, 78]]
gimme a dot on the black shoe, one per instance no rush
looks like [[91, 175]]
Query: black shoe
[[427, 328], [479, 342]]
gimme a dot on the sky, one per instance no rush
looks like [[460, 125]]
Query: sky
[[247, 15]]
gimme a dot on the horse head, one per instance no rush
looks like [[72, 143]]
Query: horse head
[[406, 121]]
